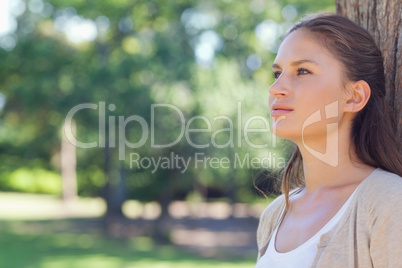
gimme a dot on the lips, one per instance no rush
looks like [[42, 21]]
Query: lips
[[280, 109]]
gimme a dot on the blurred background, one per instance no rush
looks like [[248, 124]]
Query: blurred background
[[81, 132]]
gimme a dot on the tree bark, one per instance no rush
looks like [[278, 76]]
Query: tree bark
[[382, 18]]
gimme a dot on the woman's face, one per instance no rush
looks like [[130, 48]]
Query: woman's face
[[308, 92]]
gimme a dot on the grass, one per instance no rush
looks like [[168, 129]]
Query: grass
[[69, 250], [37, 231]]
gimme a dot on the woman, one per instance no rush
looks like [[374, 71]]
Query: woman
[[328, 98]]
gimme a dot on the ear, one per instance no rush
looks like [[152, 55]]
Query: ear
[[359, 94]]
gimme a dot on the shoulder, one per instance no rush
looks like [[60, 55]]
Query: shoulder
[[380, 190], [273, 208], [378, 222], [382, 183], [268, 219]]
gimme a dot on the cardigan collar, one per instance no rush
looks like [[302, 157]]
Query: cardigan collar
[[326, 237]]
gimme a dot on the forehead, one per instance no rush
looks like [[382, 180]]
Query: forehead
[[302, 44]]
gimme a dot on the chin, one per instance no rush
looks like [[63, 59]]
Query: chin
[[286, 132]]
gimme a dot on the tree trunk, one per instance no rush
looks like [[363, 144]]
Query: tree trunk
[[382, 18], [162, 227], [68, 166], [114, 195]]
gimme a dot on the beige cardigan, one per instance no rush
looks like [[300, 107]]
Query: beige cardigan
[[369, 234]]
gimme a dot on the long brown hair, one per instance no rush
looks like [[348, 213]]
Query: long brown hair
[[373, 135]]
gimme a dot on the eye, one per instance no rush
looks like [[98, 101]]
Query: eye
[[276, 75], [302, 71]]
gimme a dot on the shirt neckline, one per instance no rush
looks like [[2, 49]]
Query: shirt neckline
[[327, 227], [325, 238]]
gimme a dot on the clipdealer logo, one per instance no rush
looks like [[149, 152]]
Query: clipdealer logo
[[147, 134], [201, 161], [116, 127], [331, 155]]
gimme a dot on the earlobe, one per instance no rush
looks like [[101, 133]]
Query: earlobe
[[359, 94]]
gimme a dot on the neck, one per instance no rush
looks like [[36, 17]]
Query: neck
[[329, 167]]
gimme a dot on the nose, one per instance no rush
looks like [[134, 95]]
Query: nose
[[279, 88]]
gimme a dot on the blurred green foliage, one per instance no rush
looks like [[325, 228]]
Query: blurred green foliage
[[203, 57], [35, 180]]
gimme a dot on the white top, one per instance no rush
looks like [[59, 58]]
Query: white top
[[302, 256]]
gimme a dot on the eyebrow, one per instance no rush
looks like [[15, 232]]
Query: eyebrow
[[295, 63]]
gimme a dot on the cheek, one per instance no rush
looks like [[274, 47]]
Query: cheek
[[329, 88], [321, 94]]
